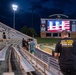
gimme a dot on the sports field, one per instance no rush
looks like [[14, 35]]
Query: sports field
[[47, 40], [47, 48], [47, 44]]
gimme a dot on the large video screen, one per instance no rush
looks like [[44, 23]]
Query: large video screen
[[58, 25]]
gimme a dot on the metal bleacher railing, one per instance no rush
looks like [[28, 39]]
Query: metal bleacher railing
[[48, 59], [37, 63], [41, 61], [23, 63], [45, 62]]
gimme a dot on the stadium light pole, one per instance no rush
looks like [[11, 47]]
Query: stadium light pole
[[14, 8]]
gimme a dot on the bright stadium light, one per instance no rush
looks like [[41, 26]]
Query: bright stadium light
[[14, 8]]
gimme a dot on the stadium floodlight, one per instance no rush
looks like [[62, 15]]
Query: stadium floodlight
[[14, 8]]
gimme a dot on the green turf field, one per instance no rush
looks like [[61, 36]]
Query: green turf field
[[47, 40], [47, 44]]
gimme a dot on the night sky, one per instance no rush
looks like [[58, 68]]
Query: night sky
[[41, 9]]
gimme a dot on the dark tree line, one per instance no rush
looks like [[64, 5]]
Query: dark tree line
[[28, 31]]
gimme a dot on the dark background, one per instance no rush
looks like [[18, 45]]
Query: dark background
[[37, 8]]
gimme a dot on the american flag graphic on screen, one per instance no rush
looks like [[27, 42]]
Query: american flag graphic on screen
[[57, 26]]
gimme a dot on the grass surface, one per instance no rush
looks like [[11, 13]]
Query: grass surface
[[47, 40]]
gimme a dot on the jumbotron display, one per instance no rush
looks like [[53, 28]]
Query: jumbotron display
[[55, 26], [58, 25]]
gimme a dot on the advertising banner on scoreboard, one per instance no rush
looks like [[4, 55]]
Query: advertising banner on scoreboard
[[43, 25], [73, 26]]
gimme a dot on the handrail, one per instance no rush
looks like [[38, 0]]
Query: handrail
[[23, 62], [40, 65], [17, 54], [32, 56], [34, 60], [49, 59]]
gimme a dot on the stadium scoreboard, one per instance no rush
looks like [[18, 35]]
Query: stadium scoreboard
[[53, 27]]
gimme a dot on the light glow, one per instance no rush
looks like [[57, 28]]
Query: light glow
[[14, 7]]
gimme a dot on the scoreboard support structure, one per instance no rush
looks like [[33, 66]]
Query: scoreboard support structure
[[44, 35], [73, 34]]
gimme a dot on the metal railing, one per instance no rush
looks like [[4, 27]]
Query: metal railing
[[23, 63], [37, 63], [42, 56], [48, 59]]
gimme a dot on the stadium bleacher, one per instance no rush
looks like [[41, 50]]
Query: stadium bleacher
[[40, 60]]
